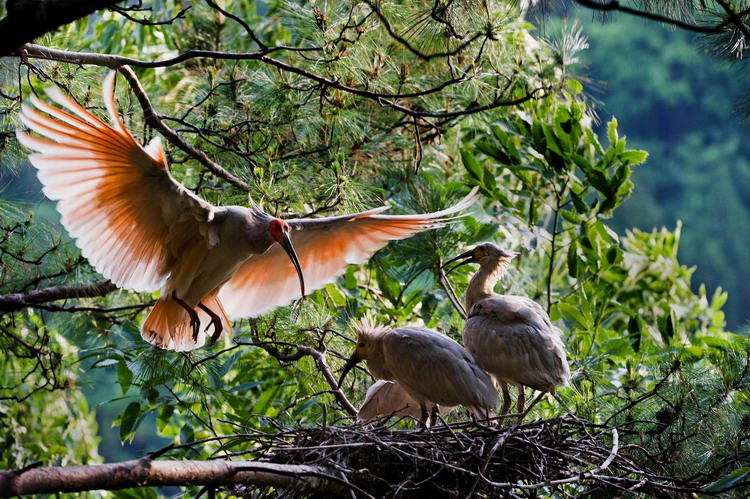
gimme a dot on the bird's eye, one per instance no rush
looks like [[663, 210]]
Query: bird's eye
[[361, 344]]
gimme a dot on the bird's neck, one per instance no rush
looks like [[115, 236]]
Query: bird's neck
[[376, 363], [483, 283]]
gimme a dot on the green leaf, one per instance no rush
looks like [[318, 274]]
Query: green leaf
[[104, 363], [573, 261], [728, 481], [165, 415], [471, 165], [494, 152], [574, 86], [573, 314], [599, 181], [633, 156], [571, 217], [124, 376], [127, 420], [187, 434], [579, 203], [612, 131]]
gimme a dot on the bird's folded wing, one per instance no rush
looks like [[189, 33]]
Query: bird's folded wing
[[117, 199], [325, 246], [432, 363]]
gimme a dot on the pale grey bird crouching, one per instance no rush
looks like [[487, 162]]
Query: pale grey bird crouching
[[511, 337], [387, 399], [430, 367]]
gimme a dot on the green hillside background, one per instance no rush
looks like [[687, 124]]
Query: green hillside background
[[679, 104]]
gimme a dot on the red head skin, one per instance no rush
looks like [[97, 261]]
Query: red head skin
[[277, 227]]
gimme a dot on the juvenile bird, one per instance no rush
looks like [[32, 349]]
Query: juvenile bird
[[387, 398], [145, 231], [511, 337], [429, 366]]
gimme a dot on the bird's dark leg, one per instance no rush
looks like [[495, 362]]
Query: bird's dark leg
[[423, 418], [434, 415], [195, 322], [507, 401], [215, 321], [521, 399]]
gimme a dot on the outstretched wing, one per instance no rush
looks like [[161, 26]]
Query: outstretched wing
[[325, 246], [127, 214]]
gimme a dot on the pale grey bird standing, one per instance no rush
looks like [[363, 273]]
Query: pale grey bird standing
[[511, 337], [145, 231], [387, 398], [429, 366]]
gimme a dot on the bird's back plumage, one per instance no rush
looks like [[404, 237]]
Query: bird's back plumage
[[512, 338], [432, 367]]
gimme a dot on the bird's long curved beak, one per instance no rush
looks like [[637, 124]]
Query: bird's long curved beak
[[353, 361], [286, 242], [468, 257]]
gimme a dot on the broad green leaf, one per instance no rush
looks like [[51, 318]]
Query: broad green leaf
[[471, 165], [127, 420], [728, 481]]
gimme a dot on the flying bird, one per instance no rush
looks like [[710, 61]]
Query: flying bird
[[511, 337], [431, 368], [145, 231]]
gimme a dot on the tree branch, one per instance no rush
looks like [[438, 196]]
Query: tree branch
[[26, 19], [614, 5], [153, 120], [146, 472], [384, 99], [320, 362], [17, 301]]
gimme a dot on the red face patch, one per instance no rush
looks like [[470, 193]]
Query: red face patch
[[277, 227]]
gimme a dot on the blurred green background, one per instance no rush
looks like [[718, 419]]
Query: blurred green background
[[678, 103]]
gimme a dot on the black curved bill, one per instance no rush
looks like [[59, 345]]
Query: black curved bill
[[468, 257], [353, 361], [286, 243]]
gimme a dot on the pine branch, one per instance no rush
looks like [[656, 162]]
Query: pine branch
[[384, 99], [17, 301], [153, 119], [614, 5], [149, 473]]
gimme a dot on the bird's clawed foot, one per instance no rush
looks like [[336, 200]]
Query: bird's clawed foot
[[195, 321], [423, 418], [434, 415], [215, 322]]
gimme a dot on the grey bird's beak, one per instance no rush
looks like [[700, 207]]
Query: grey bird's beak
[[353, 361], [286, 242], [468, 258]]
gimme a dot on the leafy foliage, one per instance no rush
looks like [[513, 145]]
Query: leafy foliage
[[385, 101]]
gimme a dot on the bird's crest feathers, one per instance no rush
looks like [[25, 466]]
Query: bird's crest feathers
[[368, 328]]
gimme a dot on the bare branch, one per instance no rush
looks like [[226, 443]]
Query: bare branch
[[17, 301], [153, 119], [149, 473], [614, 5]]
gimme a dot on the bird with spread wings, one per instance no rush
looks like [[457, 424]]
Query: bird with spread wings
[[145, 231]]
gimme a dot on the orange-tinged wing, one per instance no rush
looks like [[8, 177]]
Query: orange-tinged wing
[[325, 247], [116, 198]]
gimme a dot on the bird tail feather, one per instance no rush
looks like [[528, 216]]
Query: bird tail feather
[[168, 324]]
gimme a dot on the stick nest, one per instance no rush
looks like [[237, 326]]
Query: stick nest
[[560, 456]]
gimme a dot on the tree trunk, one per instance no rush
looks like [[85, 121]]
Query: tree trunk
[[28, 19]]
